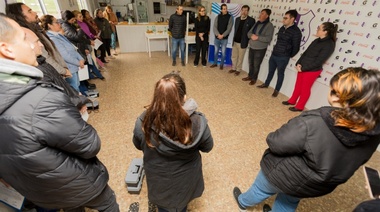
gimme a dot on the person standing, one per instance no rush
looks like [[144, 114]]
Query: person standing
[[240, 43], [287, 46], [309, 66], [111, 17], [222, 28], [202, 29], [260, 36], [171, 133], [320, 149], [68, 51], [105, 31], [177, 27], [48, 152]]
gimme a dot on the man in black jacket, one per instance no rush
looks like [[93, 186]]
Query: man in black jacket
[[242, 25], [48, 153], [177, 26], [287, 46], [222, 28]]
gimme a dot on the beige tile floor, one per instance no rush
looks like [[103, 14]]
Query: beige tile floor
[[240, 116]]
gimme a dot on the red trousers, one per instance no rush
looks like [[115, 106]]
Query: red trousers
[[302, 88]]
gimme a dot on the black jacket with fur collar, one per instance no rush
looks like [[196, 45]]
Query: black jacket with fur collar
[[310, 157]]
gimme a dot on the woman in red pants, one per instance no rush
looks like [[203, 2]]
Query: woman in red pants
[[309, 66]]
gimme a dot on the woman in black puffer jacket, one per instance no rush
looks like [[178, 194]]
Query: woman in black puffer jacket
[[320, 149]]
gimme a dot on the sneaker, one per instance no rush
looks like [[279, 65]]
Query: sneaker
[[213, 66], [195, 65], [174, 63], [266, 208], [236, 193]]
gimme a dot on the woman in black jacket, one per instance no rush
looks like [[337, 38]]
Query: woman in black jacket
[[171, 134], [320, 149], [202, 28], [309, 66]]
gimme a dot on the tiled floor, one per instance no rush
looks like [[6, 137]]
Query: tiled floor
[[240, 116]]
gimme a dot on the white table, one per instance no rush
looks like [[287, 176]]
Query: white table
[[152, 36], [189, 39]]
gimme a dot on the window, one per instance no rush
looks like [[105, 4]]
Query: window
[[51, 7]]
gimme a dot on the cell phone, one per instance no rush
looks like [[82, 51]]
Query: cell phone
[[372, 177]]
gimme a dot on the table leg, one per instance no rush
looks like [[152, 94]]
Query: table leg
[[187, 51], [149, 47], [168, 46]]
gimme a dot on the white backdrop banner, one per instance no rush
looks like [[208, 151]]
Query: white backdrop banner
[[358, 33]]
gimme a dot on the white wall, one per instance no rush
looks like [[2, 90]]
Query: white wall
[[2, 6]]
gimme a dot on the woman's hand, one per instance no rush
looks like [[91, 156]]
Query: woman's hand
[[83, 109], [68, 73], [81, 63], [298, 67]]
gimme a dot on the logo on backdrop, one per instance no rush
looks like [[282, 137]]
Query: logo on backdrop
[[304, 23]]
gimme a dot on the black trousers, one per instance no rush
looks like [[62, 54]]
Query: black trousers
[[107, 45], [201, 47], [102, 53]]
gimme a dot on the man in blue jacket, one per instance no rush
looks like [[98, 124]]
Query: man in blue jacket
[[287, 46], [239, 46]]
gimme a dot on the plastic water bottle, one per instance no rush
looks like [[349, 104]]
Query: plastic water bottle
[[154, 29]]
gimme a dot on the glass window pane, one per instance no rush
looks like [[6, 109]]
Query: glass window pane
[[52, 8], [34, 5]]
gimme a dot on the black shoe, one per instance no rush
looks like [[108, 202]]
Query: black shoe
[[236, 192], [275, 93], [294, 109], [174, 63], [213, 66], [183, 63], [286, 103], [262, 86], [266, 208], [221, 67]]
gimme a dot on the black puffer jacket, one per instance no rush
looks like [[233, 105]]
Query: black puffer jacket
[[48, 153], [288, 41], [76, 37], [177, 25], [310, 157], [316, 54], [173, 170], [52, 76]]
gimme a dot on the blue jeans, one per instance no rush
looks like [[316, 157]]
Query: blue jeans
[[74, 81], [220, 43], [181, 42], [280, 63], [262, 190], [113, 41], [255, 57]]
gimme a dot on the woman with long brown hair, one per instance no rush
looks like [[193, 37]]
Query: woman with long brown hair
[[309, 66], [171, 133], [320, 149]]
